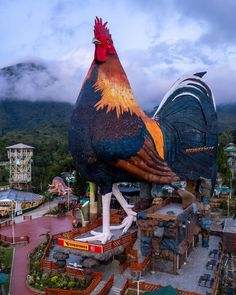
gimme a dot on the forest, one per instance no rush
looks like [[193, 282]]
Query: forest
[[44, 125]]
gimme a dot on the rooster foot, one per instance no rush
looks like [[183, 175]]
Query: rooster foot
[[97, 236], [126, 223]]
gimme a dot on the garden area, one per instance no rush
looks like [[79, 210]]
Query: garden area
[[41, 279], [6, 255]]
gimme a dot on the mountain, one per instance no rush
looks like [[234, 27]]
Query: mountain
[[226, 117], [30, 113], [21, 115]]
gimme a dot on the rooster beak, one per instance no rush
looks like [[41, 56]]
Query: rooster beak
[[96, 41]]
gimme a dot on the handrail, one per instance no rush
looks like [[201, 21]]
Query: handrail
[[105, 290], [97, 278], [16, 240], [217, 277], [148, 287]]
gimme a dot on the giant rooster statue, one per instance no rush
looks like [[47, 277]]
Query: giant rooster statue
[[112, 140]]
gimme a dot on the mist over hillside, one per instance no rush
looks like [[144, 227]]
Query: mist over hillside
[[40, 81], [33, 94]]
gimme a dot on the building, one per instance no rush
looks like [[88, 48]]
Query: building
[[229, 236], [18, 201], [230, 151], [20, 160], [169, 229]]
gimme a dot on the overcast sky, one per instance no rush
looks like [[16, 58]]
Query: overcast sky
[[157, 41]]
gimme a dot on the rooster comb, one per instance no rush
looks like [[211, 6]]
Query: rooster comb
[[100, 28]]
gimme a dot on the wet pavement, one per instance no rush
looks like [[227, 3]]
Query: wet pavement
[[35, 230], [187, 279]]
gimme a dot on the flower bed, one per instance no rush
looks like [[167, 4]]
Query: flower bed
[[40, 280]]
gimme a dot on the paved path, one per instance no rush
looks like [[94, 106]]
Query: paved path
[[186, 280], [33, 229], [38, 212]]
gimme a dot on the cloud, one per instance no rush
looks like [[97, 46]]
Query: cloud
[[38, 80], [157, 42]]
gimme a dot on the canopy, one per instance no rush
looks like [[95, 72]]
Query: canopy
[[168, 290], [19, 196]]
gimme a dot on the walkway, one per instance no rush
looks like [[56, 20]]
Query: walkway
[[186, 280], [34, 229], [38, 212]]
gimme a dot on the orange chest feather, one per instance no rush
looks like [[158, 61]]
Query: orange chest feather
[[118, 96]]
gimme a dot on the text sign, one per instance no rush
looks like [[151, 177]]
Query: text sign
[[80, 245]]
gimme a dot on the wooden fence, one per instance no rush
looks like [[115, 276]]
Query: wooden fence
[[27, 217], [107, 287], [132, 257], [132, 252], [97, 278], [115, 219], [16, 240], [79, 231], [147, 287], [217, 277], [140, 267], [123, 240], [7, 222], [10, 240]]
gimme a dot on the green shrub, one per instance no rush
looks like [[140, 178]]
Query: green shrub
[[41, 280]]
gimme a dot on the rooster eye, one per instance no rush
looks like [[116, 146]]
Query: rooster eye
[[108, 42]]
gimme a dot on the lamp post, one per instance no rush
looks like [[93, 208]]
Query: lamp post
[[12, 222], [69, 179], [138, 281]]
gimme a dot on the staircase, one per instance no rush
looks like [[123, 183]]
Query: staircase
[[114, 291]]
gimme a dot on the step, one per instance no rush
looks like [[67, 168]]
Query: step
[[114, 291]]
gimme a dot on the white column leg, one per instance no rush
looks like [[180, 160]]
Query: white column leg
[[106, 234], [127, 222]]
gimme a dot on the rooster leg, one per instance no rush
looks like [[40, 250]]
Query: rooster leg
[[127, 222], [106, 234]]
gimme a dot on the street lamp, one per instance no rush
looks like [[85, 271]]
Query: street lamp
[[12, 222], [69, 179], [138, 281]]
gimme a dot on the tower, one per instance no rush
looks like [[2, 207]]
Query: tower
[[20, 159]]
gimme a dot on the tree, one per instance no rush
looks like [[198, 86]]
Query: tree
[[222, 164], [225, 138]]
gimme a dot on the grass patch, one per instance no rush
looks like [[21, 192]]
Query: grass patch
[[6, 255]]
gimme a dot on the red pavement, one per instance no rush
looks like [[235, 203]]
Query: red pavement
[[33, 229]]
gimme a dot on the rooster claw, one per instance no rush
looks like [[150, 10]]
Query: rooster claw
[[126, 223], [97, 236]]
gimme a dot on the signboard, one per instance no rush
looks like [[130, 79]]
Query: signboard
[[80, 246], [5, 204]]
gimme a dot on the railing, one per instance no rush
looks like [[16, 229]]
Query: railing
[[79, 231], [217, 277], [75, 272], [133, 253], [105, 290], [124, 266], [133, 259], [48, 264], [147, 287], [124, 240], [97, 278], [27, 217], [125, 287], [140, 267], [115, 219], [7, 222], [16, 240]]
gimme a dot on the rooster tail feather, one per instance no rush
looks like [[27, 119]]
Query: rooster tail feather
[[188, 119]]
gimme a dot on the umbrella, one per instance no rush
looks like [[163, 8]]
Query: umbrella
[[3, 278], [168, 290]]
